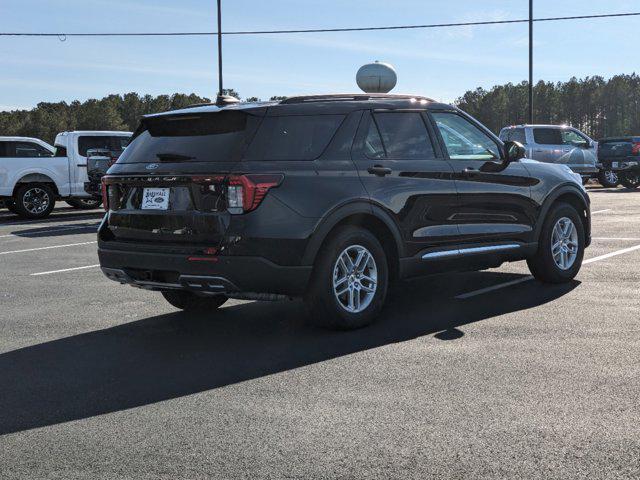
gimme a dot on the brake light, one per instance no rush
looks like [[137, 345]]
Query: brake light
[[635, 148], [246, 192], [105, 196]]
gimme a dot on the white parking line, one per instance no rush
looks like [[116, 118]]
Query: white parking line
[[622, 239], [612, 254], [79, 227], [529, 277], [46, 248], [601, 211], [64, 270]]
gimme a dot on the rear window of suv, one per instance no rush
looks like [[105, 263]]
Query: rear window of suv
[[206, 137], [293, 137]]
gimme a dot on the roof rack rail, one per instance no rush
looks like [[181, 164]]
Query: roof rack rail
[[347, 97]]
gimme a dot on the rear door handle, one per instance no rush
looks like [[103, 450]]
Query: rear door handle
[[379, 170]]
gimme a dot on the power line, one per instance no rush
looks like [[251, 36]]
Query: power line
[[62, 36]]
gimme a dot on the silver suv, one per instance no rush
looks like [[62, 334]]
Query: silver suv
[[556, 144]]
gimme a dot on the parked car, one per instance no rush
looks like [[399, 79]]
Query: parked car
[[620, 156], [33, 174], [557, 144], [84, 145], [330, 198]]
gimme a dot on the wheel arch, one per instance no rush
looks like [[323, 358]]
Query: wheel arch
[[574, 197], [365, 215], [36, 178]]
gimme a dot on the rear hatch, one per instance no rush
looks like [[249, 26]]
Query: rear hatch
[[172, 182]]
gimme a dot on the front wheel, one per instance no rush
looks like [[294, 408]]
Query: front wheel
[[560, 247], [608, 178], [349, 281], [34, 200], [84, 203], [190, 302], [630, 180]]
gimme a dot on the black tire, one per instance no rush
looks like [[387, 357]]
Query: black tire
[[11, 206], [608, 178], [542, 265], [190, 302], [325, 308], [630, 180], [84, 203], [34, 200]]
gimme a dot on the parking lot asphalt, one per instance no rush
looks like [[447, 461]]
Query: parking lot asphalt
[[475, 375]]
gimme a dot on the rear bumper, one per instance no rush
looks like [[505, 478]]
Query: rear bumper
[[620, 164], [210, 274]]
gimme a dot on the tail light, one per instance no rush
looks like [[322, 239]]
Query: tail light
[[246, 192], [635, 148], [105, 195]]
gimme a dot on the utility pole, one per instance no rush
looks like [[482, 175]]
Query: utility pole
[[219, 48], [530, 61]]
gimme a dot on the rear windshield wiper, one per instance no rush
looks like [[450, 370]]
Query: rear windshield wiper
[[173, 157]]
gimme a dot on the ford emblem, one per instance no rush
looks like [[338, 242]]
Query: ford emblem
[[152, 166]]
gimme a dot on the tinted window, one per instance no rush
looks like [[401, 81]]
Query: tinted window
[[295, 137], [463, 140], [115, 143], [26, 150], [61, 151], [547, 136], [3, 149], [373, 143], [209, 137], [516, 135], [404, 135]]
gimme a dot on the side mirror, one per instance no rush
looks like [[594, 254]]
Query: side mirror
[[514, 151]]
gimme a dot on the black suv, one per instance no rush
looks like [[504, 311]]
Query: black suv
[[330, 198]]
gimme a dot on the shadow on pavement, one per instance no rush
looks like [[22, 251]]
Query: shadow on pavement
[[58, 215], [58, 230], [173, 355]]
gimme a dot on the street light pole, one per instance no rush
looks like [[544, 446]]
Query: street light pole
[[530, 61], [219, 48]]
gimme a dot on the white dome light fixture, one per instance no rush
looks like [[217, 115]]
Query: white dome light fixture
[[376, 77]]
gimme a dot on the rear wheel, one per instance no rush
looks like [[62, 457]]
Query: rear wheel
[[190, 302], [34, 200], [608, 178], [630, 180], [561, 246], [349, 282], [84, 203]]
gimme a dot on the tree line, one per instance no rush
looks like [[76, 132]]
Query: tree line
[[113, 112], [598, 107]]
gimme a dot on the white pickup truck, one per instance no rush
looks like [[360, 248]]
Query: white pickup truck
[[33, 174]]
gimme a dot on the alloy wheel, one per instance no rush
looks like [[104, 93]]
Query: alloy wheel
[[36, 200], [611, 176], [355, 278], [564, 243]]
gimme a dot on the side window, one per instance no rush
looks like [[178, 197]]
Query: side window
[[27, 150], [61, 151], [3, 149], [518, 135], [293, 137], [463, 140], [569, 137], [547, 136], [373, 147], [404, 135], [120, 143]]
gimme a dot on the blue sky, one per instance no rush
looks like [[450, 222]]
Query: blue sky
[[439, 63]]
